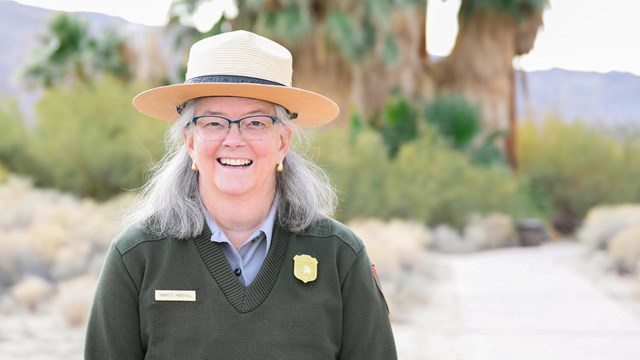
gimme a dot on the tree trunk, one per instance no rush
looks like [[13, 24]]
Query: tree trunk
[[479, 66], [366, 86]]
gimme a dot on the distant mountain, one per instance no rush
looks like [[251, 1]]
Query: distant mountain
[[22, 27], [611, 98], [19, 25]]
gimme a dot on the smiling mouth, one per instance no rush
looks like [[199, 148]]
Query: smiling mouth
[[234, 162]]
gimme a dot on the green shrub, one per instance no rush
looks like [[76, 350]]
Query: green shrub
[[90, 141], [427, 181], [439, 185], [455, 117], [573, 167], [400, 123], [358, 166], [13, 137], [458, 120], [4, 174]]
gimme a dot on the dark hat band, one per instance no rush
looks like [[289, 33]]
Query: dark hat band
[[235, 79], [230, 79]]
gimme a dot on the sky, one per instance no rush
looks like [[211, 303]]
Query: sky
[[582, 35]]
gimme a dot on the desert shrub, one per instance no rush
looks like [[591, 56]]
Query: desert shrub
[[8, 305], [455, 117], [458, 120], [603, 222], [427, 181], [13, 138], [573, 167], [439, 185], [491, 231], [393, 245], [358, 169], [50, 234], [31, 292], [4, 174], [90, 141], [400, 123], [494, 230], [398, 249], [74, 297], [624, 249]]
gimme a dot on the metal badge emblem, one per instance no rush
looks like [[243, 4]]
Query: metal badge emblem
[[305, 268]]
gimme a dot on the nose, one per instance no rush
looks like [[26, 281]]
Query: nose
[[234, 136]]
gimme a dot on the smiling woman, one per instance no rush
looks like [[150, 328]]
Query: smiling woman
[[231, 251]]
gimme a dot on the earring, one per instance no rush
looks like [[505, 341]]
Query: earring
[[194, 167], [280, 167]]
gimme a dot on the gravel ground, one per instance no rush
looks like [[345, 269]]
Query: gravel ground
[[556, 301]]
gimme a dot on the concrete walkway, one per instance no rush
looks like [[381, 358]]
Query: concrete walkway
[[519, 304]]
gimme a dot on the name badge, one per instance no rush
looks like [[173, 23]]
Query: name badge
[[175, 295]]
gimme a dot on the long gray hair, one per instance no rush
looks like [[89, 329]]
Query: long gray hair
[[169, 204]]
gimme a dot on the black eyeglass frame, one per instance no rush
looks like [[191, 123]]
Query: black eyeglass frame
[[230, 122]]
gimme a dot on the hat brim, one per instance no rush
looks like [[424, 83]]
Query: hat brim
[[313, 109]]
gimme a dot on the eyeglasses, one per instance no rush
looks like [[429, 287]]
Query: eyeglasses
[[254, 127]]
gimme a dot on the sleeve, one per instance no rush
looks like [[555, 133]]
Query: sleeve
[[113, 330], [366, 332]]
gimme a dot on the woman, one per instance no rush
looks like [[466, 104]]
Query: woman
[[230, 252]]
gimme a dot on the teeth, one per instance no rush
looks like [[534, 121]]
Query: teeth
[[235, 162]]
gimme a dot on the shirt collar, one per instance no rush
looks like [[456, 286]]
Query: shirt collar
[[217, 235]]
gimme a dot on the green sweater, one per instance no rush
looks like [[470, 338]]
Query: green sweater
[[339, 315]]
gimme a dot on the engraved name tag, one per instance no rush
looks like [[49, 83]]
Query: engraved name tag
[[175, 295]]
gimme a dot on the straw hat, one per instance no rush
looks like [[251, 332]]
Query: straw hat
[[242, 64]]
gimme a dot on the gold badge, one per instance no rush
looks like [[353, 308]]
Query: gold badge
[[305, 268]]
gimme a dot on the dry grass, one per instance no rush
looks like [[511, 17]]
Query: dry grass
[[392, 245], [398, 248], [50, 233], [74, 299], [48, 238], [615, 231], [32, 292], [603, 222], [624, 249], [481, 232]]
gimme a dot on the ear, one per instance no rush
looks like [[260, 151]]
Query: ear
[[187, 136], [285, 142]]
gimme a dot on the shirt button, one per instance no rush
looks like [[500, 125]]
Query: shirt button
[[238, 272]]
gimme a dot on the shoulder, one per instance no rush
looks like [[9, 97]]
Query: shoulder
[[132, 237], [331, 228]]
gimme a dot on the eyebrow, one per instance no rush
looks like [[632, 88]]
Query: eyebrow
[[219, 113]]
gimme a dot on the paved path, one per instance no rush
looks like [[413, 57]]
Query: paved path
[[519, 304]]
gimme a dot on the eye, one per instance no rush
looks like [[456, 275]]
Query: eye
[[213, 123], [256, 123]]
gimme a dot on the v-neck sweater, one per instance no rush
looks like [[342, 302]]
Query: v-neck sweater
[[341, 314]]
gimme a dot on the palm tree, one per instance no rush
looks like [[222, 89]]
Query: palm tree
[[64, 52], [341, 48], [359, 51], [68, 53], [491, 34]]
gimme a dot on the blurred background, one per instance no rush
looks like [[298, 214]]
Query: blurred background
[[467, 127]]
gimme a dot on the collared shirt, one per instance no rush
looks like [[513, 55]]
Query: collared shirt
[[247, 260]]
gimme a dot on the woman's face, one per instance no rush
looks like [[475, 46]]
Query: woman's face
[[234, 165]]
